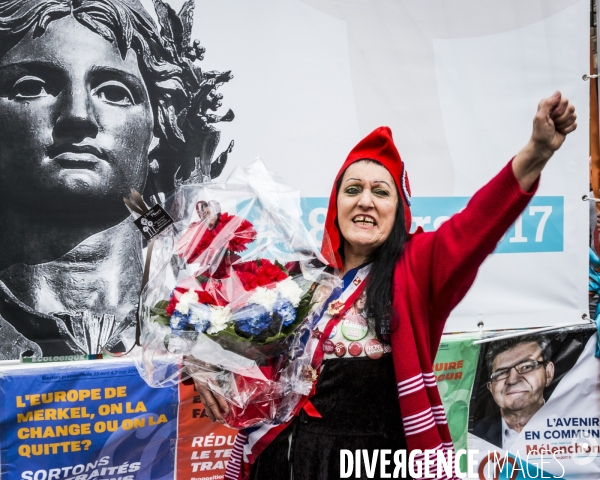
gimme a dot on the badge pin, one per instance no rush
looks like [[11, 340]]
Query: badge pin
[[374, 349], [340, 349], [333, 332], [354, 327], [335, 307], [355, 349], [356, 281], [310, 374], [316, 333], [328, 346]]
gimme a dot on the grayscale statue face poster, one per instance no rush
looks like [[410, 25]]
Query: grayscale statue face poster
[[95, 99]]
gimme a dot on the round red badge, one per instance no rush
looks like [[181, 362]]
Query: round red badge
[[355, 349], [328, 346], [374, 349], [340, 349]]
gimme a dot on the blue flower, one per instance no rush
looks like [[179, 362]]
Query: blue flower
[[202, 326], [286, 311], [199, 317], [179, 321], [252, 320]]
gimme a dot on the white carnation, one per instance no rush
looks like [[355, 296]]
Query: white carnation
[[218, 319], [290, 290], [265, 297], [200, 313], [183, 306]]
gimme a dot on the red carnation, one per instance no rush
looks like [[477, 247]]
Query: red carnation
[[248, 280], [269, 273], [222, 270], [190, 247], [171, 306], [246, 272], [250, 268], [174, 299], [205, 298], [258, 273], [243, 235]]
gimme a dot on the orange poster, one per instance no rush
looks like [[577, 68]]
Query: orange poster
[[203, 446]]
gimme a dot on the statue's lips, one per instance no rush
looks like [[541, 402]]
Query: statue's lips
[[77, 156], [77, 160]]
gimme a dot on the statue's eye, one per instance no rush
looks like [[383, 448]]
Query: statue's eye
[[29, 87], [115, 93]]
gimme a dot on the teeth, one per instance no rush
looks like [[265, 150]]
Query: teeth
[[364, 220]]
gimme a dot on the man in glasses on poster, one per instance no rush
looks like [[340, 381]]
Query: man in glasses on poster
[[520, 370]]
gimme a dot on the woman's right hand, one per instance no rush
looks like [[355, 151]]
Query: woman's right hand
[[554, 120], [215, 406], [201, 373]]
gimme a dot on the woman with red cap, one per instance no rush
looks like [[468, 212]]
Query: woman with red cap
[[376, 389]]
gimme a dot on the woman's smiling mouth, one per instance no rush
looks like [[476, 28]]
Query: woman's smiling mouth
[[364, 220]]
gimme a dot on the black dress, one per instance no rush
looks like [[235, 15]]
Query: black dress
[[358, 401]]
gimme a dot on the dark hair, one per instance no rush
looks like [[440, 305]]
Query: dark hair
[[500, 346], [383, 259], [180, 92]]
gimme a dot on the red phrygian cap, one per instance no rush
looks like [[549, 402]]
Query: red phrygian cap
[[378, 146]]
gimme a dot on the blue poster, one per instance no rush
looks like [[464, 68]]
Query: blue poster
[[97, 421]]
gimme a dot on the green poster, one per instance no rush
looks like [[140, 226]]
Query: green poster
[[454, 369]]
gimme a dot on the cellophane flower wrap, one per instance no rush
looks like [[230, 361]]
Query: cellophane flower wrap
[[230, 285]]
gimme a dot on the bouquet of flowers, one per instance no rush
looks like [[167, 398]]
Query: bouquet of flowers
[[231, 284]]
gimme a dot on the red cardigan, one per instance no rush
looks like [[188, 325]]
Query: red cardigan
[[431, 277]]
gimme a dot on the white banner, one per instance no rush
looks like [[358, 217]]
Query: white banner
[[457, 81]]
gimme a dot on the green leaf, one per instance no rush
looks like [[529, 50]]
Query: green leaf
[[282, 268], [305, 304], [229, 331], [162, 319], [160, 308]]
